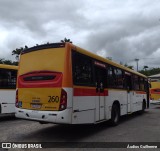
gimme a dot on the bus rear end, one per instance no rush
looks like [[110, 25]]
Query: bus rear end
[[41, 94], [155, 91]]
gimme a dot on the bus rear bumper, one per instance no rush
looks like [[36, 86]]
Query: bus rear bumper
[[63, 117]]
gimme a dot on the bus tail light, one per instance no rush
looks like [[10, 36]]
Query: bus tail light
[[63, 101], [16, 103]]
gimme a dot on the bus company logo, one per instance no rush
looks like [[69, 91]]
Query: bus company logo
[[6, 145]]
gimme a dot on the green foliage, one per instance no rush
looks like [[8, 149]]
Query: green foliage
[[66, 40], [150, 72], [126, 65], [18, 51], [8, 62]]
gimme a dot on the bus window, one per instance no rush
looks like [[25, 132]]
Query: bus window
[[128, 81], [142, 84], [82, 70], [8, 79], [119, 78], [115, 78], [111, 77], [100, 78], [136, 82]]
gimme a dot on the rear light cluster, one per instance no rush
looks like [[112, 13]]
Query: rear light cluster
[[16, 103], [63, 101]]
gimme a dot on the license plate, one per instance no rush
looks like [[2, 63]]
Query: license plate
[[36, 106]]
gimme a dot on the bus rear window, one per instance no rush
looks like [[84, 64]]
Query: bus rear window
[[39, 78]]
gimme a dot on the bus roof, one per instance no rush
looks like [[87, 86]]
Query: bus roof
[[80, 50], [4, 66], [43, 46]]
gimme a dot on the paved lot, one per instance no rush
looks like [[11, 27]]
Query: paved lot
[[133, 128]]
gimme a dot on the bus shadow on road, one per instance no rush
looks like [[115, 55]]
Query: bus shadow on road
[[75, 133], [126, 118], [68, 133], [7, 117], [157, 107]]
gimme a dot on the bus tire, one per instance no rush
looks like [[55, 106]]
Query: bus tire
[[115, 114], [143, 106]]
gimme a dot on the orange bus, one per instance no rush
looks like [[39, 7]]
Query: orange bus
[[63, 83]]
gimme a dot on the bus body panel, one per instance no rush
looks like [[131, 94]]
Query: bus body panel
[[63, 117], [40, 79], [8, 77], [84, 117], [52, 116], [48, 60], [155, 91], [117, 95], [7, 101], [47, 99], [135, 100]]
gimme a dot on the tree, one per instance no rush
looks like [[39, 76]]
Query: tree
[[1, 60], [109, 58], [18, 51], [130, 67], [150, 72], [9, 62], [66, 40], [145, 68]]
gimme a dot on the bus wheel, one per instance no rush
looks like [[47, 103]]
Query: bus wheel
[[115, 115], [143, 106]]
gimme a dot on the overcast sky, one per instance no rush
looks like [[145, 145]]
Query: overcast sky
[[121, 29]]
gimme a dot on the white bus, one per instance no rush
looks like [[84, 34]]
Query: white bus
[[8, 77], [63, 83]]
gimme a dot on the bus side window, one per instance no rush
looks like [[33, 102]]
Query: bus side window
[[100, 78], [128, 82], [142, 84], [115, 78], [3, 78], [82, 69], [119, 78], [110, 77], [136, 82], [8, 79]]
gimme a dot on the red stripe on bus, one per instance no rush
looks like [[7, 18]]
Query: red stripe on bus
[[140, 92], [155, 91], [88, 92]]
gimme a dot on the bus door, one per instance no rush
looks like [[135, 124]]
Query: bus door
[[129, 93], [100, 76]]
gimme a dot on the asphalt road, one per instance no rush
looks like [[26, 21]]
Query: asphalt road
[[132, 128]]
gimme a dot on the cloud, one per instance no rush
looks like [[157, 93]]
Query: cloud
[[123, 30]]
